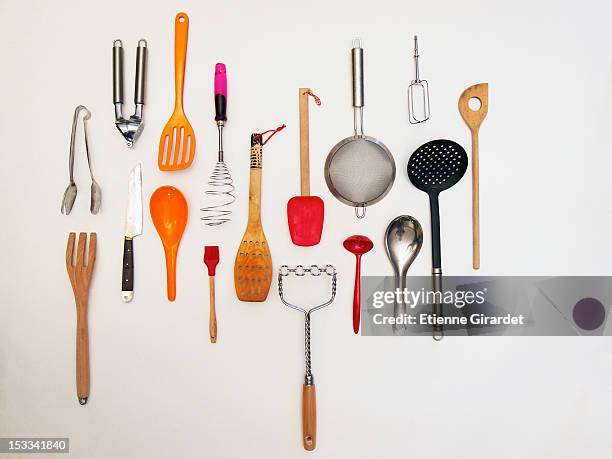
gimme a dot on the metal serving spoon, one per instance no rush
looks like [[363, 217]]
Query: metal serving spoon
[[403, 241]]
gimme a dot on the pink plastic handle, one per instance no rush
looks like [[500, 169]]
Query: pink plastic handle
[[220, 80]]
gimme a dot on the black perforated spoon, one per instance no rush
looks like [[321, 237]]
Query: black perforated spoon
[[434, 167]]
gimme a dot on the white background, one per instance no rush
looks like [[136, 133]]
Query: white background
[[159, 388]]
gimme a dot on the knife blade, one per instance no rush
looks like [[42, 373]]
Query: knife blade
[[133, 228]]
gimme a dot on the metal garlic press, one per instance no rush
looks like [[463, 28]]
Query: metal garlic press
[[130, 128]]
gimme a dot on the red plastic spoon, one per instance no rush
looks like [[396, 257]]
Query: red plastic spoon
[[357, 245]]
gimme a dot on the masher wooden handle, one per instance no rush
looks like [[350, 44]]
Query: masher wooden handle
[[309, 417], [212, 323], [304, 143]]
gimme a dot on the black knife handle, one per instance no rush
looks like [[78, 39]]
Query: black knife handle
[[127, 278]]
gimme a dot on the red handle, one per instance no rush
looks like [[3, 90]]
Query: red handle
[[357, 296]]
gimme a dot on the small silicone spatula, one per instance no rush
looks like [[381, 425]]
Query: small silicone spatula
[[211, 259], [305, 213]]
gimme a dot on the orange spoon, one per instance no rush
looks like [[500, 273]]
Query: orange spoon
[[169, 212]]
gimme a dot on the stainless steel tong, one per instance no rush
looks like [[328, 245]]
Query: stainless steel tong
[[132, 127], [71, 191]]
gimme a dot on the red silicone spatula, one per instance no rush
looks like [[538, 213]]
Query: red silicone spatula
[[211, 259], [305, 213]]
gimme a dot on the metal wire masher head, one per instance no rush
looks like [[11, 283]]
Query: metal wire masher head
[[301, 271]]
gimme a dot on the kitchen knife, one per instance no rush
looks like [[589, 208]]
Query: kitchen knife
[[133, 227]]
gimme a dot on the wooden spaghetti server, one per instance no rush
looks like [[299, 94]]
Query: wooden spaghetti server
[[305, 213], [473, 119], [80, 279]]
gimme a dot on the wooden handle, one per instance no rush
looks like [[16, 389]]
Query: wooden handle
[[473, 119], [181, 31], [212, 323], [304, 143], [475, 203], [82, 353], [255, 197], [309, 417]]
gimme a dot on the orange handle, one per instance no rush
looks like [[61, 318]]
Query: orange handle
[[309, 417], [181, 31], [171, 271]]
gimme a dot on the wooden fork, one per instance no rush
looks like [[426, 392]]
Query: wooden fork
[[253, 265], [80, 278], [177, 142]]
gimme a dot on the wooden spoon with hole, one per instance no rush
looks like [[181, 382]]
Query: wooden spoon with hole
[[473, 119]]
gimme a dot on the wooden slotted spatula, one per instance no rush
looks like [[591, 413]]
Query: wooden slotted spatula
[[473, 119], [177, 142], [80, 279], [253, 265]]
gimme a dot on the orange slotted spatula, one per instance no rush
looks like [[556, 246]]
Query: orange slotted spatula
[[177, 142]]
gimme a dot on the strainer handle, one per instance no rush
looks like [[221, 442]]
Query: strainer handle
[[357, 65], [357, 60]]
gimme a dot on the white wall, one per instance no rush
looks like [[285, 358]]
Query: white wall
[[159, 388]]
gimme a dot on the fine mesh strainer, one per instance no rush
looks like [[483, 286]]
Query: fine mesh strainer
[[359, 170], [434, 167]]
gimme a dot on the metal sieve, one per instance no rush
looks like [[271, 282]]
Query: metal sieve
[[359, 170]]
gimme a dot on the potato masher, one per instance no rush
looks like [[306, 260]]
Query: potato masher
[[309, 402]]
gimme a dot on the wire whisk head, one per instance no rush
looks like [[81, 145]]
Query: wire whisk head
[[220, 191]]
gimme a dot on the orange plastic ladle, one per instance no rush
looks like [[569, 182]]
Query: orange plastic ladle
[[169, 212]]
